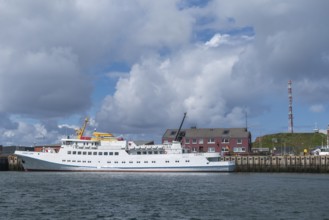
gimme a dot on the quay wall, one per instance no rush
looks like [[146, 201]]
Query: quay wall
[[308, 163], [3, 163]]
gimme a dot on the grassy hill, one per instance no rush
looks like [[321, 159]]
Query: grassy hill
[[297, 141]]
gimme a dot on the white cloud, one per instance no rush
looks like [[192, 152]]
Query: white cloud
[[317, 108], [50, 52]]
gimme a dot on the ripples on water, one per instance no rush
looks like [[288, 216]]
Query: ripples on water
[[28, 195]]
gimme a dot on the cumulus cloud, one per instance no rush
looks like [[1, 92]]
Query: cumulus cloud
[[197, 80], [213, 59]]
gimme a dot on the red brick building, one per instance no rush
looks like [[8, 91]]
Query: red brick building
[[224, 140]]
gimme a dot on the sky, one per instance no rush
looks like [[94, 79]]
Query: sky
[[135, 67]]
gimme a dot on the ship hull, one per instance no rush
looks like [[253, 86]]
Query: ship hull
[[48, 162]]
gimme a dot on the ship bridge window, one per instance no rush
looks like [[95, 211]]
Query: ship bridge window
[[116, 153]]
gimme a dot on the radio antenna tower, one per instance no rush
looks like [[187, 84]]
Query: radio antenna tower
[[290, 115]]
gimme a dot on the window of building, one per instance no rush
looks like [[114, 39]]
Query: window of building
[[173, 133], [201, 141], [187, 140], [211, 140], [239, 141], [194, 141], [225, 140], [211, 149], [239, 149]]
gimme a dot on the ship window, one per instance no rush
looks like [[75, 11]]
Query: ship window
[[94, 153], [138, 152], [84, 152], [89, 152], [167, 161], [176, 161], [89, 161], [111, 153], [69, 152], [153, 161], [144, 152], [145, 161], [130, 162], [149, 152], [68, 160], [83, 161], [156, 152], [116, 153], [187, 161], [105, 153], [116, 162], [123, 161], [161, 152], [79, 152], [79, 161], [63, 160], [138, 162], [74, 152], [100, 153], [108, 161], [73, 160]]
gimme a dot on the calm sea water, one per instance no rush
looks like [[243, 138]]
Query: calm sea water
[[46, 195]]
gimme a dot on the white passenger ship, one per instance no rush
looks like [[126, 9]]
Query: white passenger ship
[[104, 152]]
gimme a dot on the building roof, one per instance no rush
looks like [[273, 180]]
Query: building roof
[[209, 132]]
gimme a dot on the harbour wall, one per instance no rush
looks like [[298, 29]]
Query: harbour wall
[[287, 163], [308, 163]]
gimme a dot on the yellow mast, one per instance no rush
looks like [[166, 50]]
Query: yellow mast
[[80, 131]]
